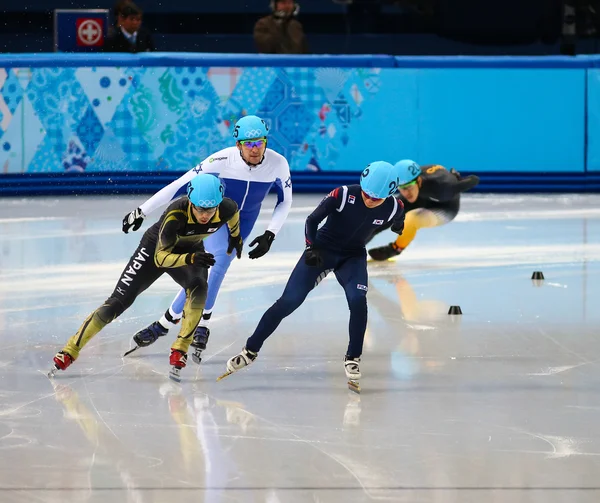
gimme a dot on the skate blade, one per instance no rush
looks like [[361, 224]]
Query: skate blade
[[175, 374], [354, 386], [391, 259], [196, 358], [52, 372], [228, 373], [130, 351]]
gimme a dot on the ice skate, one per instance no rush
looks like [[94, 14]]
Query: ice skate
[[199, 344], [177, 360], [61, 361], [147, 336], [384, 252], [352, 373], [238, 362]]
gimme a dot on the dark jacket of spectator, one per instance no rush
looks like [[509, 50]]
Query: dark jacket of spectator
[[276, 35], [118, 42], [128, 36]]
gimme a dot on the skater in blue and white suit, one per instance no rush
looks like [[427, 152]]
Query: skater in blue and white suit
[[248, 171]]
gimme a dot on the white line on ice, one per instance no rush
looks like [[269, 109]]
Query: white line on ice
[[555, 370], [20, 220], [250, 274]]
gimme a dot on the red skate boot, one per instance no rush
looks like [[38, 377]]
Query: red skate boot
[[61, 361], [177, 360]]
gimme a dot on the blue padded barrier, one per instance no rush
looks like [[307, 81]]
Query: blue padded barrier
[[130, 123], [147, 183], [179, 59]]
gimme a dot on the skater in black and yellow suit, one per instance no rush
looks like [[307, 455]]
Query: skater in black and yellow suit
[[431, 197], [173, 245]]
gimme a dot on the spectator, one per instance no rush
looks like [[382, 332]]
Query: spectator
[[279, 32], [114, 24], [118, 7], [129, 35]]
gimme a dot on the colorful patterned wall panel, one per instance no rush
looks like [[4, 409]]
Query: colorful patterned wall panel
[[156, 118], [160, 118]]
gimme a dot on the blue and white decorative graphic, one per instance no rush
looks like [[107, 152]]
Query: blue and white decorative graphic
[[169, 118]]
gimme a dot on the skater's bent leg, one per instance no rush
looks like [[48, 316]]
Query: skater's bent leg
[[352, 276], [217, 245], [302, 280], [194, 279], [216, 277], [172, 315], [138, 275], [192, 314], [95, 322], [176, 308], [423, 218]]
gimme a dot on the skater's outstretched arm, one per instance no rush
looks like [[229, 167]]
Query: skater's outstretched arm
[[332, 202], [168, 236], [233, 223], [448, 184], [134, 219], [283, 185], [398, 218], [164, 195], [467, 183]]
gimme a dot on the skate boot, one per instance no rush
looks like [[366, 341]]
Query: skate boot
[[199, 343], [238, 362], [61, 361], [352, 373], [385, 252], [177, 360], [148, 336]]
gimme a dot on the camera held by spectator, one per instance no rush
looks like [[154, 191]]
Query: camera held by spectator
[[280, 32]]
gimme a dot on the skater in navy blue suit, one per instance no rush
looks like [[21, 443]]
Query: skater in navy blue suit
[[353, 214]]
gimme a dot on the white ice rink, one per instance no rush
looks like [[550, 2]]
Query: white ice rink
[[501, 404]]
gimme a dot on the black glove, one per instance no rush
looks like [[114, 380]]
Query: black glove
[[235, 242], [264, 244], [455, 173], [133, 219], [313, 257], [200, 259]]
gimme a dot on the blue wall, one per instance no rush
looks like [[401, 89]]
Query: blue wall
[[593, 118], [475, 119], [161, 113]]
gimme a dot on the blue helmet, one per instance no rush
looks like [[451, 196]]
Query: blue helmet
[[379, 180], [407, 171], [205, 191], [250, 127]]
